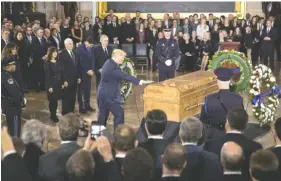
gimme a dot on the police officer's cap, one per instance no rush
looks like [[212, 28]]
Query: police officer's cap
[[223, 74], [8, 61], [167, 28]]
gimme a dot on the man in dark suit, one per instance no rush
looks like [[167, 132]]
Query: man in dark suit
[[277, 25], [277, 136], [108, 96], [211, 21], [155, 125], [71, 77], [39, 51], [5, 38], [166, 21], [137, 18], [264, 166], [236, 123], [128, 31], [137, 165], [268, 38], [231, 160], [113, 31], [124, 139], [201, 165], [52, 164], [11, 161], [173, 162], [86, 59], [102, 53], [216, 106]]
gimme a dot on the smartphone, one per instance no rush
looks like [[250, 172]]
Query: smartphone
[[95, 130]]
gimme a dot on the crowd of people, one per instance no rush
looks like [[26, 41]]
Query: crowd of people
[[122, 156], [61, 60]]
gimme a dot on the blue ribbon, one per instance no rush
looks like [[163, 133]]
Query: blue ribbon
[[236, 70], [259, 98]]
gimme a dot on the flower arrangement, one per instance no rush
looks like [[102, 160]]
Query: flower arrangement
[[125, 86], [239, 63], [261, 79]]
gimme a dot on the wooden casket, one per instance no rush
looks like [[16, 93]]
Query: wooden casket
[[182, 96]]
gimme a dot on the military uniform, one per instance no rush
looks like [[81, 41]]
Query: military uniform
[[167, 51], [216, 106], [12, 99]]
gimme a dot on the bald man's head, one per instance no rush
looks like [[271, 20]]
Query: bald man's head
[[231, 156]]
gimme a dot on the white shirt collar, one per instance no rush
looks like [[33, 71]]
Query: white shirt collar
[[234, 131], [155, 137], [171, 175], [232, 173], [188, 143], [120, 155], [65, 142]]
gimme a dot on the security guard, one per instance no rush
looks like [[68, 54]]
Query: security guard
[[108, 96], [86, 69], [167, 51], [216, 105], [11, 97]]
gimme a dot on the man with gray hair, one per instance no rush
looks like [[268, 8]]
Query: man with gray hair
[[34, 136], [231, 161], [190, 132], [102, 53], [70, 76], [52, 164]]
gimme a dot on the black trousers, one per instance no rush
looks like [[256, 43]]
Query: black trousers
[[98, 77], [13, 121], [84, 92], [166, 73], [277, 48], [53, 105], [255, 53], [268, 56], [68, 98]]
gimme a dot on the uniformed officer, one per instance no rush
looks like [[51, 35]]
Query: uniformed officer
[[216, 105], [108, 97], [86, 69], [167, 51], [11, 97]]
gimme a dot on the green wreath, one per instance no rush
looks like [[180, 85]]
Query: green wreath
[[125, 87], [236, 61]]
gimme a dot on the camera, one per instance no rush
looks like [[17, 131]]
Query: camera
[[95, 130]]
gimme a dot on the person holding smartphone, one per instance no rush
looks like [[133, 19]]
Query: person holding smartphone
[[108, 96]]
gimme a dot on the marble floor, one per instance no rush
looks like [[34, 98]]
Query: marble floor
[[37, 107]]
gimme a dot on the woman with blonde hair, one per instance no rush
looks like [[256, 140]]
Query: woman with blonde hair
[[202, 28], [205, 50]]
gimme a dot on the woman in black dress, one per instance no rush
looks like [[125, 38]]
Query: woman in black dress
[[76, 33], [23, 60], [215, 39], [54, 83], [188, 53]]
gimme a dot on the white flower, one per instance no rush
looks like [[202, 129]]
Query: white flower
[[267, 85], [272, 79]]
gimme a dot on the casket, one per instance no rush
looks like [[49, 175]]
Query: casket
[[182, 96]]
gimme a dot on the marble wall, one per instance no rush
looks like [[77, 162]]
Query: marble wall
[[254, 8]]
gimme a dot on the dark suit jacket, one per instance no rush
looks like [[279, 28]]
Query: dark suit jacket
[[156, 148], [13, 169], [85, 61], [246, 144], [169, 23], [38, 50], [52, 164], [277, 152], [69, 69], [31, 159], [3, 44], [152, 39], [170, 179], [201, 165], [53, 41], [232, 178], [100, 57], [109, 87], [127, 31], [113, 32], [268, 44]]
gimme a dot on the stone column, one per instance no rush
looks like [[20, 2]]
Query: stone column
[[48, 8]]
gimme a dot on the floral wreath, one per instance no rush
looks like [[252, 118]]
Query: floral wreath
[[125, 86], [240, 65], [263, 78]]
